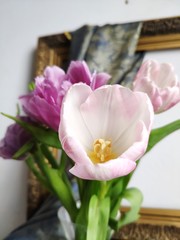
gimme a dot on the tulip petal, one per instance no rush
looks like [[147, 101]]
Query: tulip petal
[[75, 150], [139, 143], [113, 117], [99, 80], [55, 75], [41, 111], [160, 82], [112, 113], [72, 123], [106, 171], [78, 71], [14, 139]]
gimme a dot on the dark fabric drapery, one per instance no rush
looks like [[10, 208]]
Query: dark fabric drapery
[[109, 48]]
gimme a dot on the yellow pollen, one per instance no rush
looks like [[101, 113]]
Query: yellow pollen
[[102, 151]]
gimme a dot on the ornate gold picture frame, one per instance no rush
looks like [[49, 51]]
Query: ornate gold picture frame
[[155, 35], [160, 35]]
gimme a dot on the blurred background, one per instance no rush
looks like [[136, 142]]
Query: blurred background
[[22, 22]]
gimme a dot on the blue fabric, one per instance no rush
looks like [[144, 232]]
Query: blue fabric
[[44, 225], [110, 49]]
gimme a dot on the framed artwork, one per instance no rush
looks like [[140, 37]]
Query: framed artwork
[[155, 35]]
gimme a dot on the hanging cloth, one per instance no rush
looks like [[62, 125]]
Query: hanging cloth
[[109, 48]]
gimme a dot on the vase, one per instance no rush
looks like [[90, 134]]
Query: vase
[[70, 228]]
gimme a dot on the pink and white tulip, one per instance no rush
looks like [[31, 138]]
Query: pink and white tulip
[[104, 131], [160, 82]]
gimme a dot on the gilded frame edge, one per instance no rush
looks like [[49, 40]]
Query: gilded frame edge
[[49, 53], [160, 34]]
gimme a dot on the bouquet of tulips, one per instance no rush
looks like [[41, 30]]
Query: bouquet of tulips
[[101, 132]]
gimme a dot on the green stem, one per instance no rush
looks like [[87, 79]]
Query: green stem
[[30, 164], [39, 159], [81, 185], [65, 196], [103, 189], [63, 162], [62, 190], [62, 170], [159, 133], [48, 154]]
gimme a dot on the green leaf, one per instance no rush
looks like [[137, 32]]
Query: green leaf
[[62, 191], [31, 86], [17, 110], [43, 135], [116, 187], [134, 197], [159, 133], [81, 221], [98, 217], [24, 149], [104, 208], [115, 205], [60, 188], [116, 192], [93, 219]]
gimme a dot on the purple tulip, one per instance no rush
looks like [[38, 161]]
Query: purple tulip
[[78, 71], [161, 84], [44, 103], [14, 139]]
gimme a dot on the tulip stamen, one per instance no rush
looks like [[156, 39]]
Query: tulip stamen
[[102, 151]]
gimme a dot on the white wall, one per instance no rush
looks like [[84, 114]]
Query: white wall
[[21, 23]]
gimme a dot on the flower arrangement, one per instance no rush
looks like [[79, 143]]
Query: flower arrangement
[[101, 132]]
